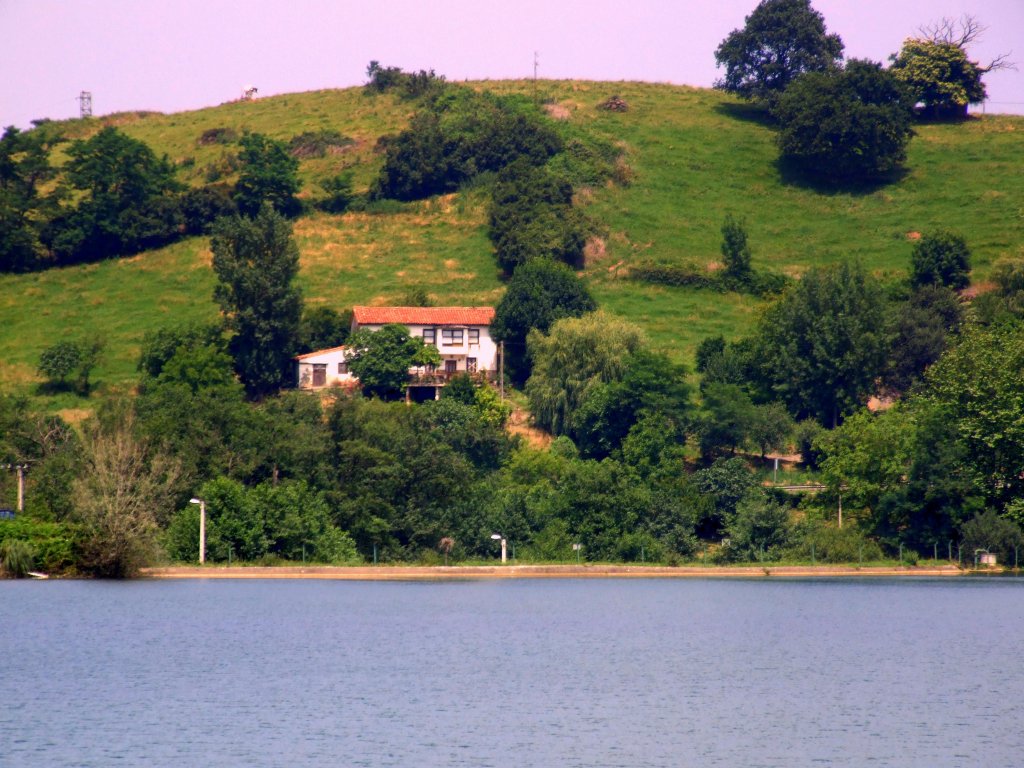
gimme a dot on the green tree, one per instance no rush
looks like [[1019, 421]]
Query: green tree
[[921, 328], [532, 217], [59, 361], [868, 456], [127, 200], [323, 328], [846, 125], [941, 258], [938, 71], [576, 356], [256, 262], [539, 293], [24, 165], [651, 386], [159, 346], [770, 427], [978, 386], [339, 193], [735, 251], [268, 174], [780, 40], [822, 345], [940, 76], [459, 135], [65, 358], [727, 482], [381, 359], [725, 419], [759, 530]]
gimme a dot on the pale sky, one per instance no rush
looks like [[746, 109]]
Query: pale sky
[[186, 54]]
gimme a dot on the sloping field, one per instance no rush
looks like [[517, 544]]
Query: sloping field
[[693, 156]]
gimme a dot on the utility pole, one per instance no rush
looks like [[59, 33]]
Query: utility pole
[[501, 370], [536, 63]]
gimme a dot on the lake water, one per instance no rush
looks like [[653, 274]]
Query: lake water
[[523, 673]]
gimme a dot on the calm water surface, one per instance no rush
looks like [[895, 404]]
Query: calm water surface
[[526, 673]]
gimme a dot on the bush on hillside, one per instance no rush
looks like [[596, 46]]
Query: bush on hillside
[[317, 143], [460, 135], [846, 125]]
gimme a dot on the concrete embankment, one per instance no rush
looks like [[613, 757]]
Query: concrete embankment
[[473, 572]]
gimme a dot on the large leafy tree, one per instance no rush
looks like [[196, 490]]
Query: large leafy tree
[[921, 327], [268, 175], [532, 216], [651, 386], [24, 164], [979, 387], [941, 258], [780, 40], [572, 361], [822, 345], [381, 359], [256, 261], [539, 293], [847, 124], [939, 73], [460, 134], [128, 200]]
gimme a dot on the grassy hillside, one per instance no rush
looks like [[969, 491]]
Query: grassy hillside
[[695, 155]]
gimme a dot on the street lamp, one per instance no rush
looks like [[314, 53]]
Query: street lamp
[[202, 528], [20, 469], [499, 537]]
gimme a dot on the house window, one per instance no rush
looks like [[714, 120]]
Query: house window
[[470, 363], [451, 337], [429, 336], [474, 336], [450, 366], [342, 368], [319, 374]]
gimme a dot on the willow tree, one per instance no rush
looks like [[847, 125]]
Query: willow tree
[[576, 356]]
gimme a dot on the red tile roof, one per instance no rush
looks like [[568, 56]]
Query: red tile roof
[[423, 315], [318, 352]]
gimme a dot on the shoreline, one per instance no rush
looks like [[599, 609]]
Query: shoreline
[[493, 572]]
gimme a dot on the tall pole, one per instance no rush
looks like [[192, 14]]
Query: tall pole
[[503, 551], [840, 510], [536, 61], [202, 532], [501, 370], [21, 487]]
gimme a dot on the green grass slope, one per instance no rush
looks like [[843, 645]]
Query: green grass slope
[[694, 155]]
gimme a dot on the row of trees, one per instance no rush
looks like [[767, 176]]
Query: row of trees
[[114, 196]]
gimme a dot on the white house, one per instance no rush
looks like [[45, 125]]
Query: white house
[[324, 368], [461, 334]]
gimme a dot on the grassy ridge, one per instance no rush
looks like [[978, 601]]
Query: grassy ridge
[[695, 155]]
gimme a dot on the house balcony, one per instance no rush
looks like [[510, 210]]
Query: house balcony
[[422, 378]]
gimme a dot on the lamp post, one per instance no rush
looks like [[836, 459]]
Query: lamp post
[[504, 544], [202, 528], [20, 469]]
